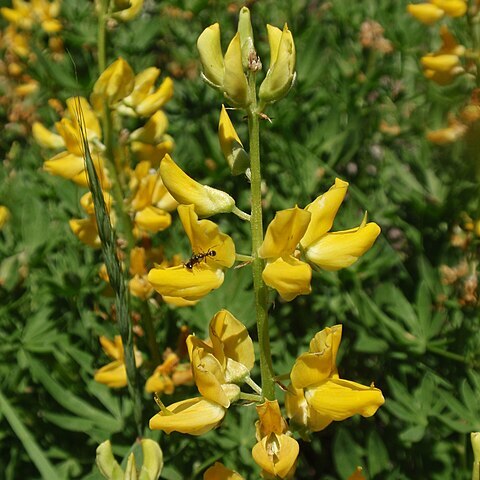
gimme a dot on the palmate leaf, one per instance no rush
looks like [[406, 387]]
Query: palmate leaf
[[46, 469]]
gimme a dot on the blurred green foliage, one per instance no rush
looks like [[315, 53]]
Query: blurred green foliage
[[403, 328]]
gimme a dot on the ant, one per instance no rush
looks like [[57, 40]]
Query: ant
[[198, 257]]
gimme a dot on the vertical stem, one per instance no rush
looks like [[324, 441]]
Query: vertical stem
[[260, 289], [150, 333], [102, 6]]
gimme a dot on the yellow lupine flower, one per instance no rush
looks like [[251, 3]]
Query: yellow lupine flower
[[114, 375], [450, 134], [317, 395], [220, 472], [309, 229], [218, 368], [225, 73], [205, 275], [45, 138], [206, 200], [86, 230], [194, 416], [425, 12], [276, 452], [453, 8], [152, 219], [281, 74], [25, 14], [114, 84]]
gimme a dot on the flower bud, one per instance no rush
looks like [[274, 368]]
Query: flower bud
[[235, 85], [231, 145], [246, 37], [281, 74], [210, 50]]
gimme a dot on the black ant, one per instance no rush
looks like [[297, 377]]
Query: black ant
[[196, 258]]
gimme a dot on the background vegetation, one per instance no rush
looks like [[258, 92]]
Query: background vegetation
[[356, 113]]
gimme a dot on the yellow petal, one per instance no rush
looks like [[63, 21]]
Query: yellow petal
[[230, 337], [140, 287], [152, 132], [129, 13], [320, 362], [194, 416], [45, 138], [143, 86], [159, 383], [206, 200], [324, 209], [449, 43], [231, 145], [453, 8], [153, 219], [341, 249], [114, 349], [178, 301], [220, 472], [113, 375], [289, 276], [211, 56], [4, 215], [209, 376], [276, 454], [270, 419], [440, 63], [281, 74], [427, 13], [70, 135], [147, 152], [340, 399], [447, 135], [113, 85], [357, 475], [181, 282], [235, 84], [156, 100], [205, 237], [284, 233], [300, 413], [86, 231]]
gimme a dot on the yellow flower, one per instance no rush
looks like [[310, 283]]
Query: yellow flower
[[168, 375], [217, 250], [4, 215], [309, 229], [218, 368], [220, 472], [443, 66], [86, 230], [114, 375], [455, 131], [317, 395], [225, 73], [357, 474], [231, 145], [114, 84], [130, 12], [194, 416], [144, 100], [276, 452], [429, 13], [425, 12], [206, 200], [45, 138], [281, 74], [26, 14]]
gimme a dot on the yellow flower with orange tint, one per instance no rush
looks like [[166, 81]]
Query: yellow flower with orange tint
[[276, 452], [217, 250], [309, 230], [317, 395], [169, 374], [27, 14], [114, 375]]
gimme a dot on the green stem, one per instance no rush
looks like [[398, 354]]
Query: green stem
[[251, 397], [239, 257], [126, 226], [101, 35], [240, 214], [253, 385], [150, 333], [256, 222]]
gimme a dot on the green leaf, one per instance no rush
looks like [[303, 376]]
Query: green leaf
[[37, 456]]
